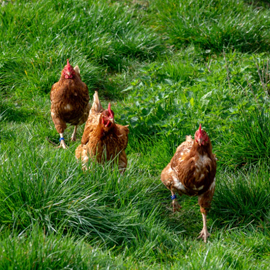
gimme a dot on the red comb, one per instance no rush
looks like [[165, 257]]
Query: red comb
[[68, 65], [200, 130], [109, 110]]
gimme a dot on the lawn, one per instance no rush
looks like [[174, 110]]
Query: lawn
[[166, 66]]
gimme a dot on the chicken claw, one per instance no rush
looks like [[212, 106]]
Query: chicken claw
[[175, 204], [204, 234], [62, 143]]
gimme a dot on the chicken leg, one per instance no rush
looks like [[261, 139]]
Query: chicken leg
[[204, 234], [175, 204], [62, 142], [205, 204], [73, 136]]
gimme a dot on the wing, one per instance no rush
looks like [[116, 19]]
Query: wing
[[182, 151], [194, 170], [54, 91], [183, 166], [122, 134], [91, 128]]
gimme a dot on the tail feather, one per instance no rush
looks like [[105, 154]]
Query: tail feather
[[77, 69], [96, 104], [189, 138]]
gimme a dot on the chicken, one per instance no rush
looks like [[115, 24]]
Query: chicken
[[103, 140], [69, 102], [192, 171]]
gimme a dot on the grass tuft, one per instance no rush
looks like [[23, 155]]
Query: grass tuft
[[165, 67]]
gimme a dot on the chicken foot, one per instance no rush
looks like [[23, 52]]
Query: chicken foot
[[73, 136], [204, 201], [62, 142], [204, 234], [175, 204]]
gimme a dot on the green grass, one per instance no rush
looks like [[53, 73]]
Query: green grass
[[214, 25], [165, 67]]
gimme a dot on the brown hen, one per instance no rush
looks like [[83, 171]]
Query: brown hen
[[102, 138], [192, 171], [69, 102]]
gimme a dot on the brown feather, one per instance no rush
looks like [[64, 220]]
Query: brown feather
[[192, 171], [193, 166], [69, 102], [102, 143]]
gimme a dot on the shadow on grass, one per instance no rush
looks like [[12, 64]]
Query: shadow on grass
[[14, 114]]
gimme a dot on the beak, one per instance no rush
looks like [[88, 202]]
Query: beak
[[111, 119], [200, 141], [68, 73]]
